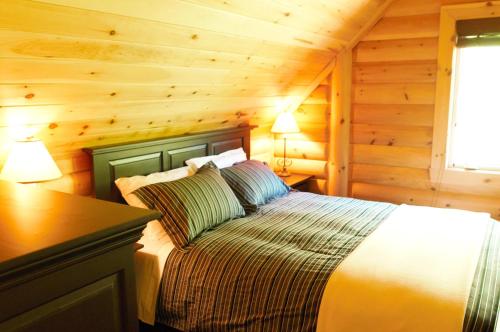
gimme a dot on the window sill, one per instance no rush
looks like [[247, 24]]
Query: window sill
[[475, 181], [462, 171]]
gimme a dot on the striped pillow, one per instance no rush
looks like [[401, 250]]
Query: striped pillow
[[254, 184], [193, 204]]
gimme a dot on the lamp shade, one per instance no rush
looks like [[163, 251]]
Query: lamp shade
[[29, 161], [285, 124]]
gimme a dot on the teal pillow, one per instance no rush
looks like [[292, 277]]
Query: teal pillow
[[193, 204], [254, 184]]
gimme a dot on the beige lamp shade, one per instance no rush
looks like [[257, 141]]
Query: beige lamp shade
[[285, 124], [29, 161]]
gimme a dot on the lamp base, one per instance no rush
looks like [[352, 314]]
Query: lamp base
[[283, 173]]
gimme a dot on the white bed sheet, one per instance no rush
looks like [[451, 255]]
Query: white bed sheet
[[149, 265]]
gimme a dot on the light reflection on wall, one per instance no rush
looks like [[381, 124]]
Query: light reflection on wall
[[18, 121], [16, 126], [263, 147]]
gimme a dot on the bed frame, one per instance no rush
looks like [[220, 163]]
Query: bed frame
[[144, 157]]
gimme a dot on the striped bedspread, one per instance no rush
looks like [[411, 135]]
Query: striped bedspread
[[268, 271], [265, 272], [484, 300]]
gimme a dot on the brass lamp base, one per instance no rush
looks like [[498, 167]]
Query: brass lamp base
[[284, 163]]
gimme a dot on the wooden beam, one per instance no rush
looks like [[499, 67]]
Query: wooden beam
[[314, 84], [348, 48], [340, 119], [369, 25]]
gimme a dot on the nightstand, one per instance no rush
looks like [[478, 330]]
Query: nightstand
[[66, 261], [297, 181]]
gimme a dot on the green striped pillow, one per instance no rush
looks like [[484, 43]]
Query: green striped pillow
[[193, 204], [254, 184]]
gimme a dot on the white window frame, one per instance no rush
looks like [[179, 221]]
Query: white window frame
[[441, 174]]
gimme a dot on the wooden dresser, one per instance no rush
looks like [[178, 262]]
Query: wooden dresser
[[66, 262]]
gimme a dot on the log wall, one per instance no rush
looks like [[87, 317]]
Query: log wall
[[394, 75], [308, 150]]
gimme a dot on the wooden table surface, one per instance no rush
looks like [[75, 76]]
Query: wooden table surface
[[36, 223], [296, 179]]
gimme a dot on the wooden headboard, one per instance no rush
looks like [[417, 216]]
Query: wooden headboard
[[144, 157]]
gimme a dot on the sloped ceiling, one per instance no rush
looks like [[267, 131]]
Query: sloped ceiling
[[86, 72]]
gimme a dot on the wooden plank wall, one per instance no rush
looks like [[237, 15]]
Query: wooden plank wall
[[308, 149], [79, 73], [394, 74]]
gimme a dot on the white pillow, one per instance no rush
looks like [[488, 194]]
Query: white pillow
[[222, 160], [127, 185]]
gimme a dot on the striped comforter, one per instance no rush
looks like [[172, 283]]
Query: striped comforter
[[484, 299], [267, 271]]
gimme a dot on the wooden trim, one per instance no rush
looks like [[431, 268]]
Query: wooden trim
[[440, 174], [340, 123], [314, 84], [369, 25], [443, 90], [348, 48]]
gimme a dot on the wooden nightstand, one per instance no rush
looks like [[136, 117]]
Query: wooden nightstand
[[66, 261], [297, 181]]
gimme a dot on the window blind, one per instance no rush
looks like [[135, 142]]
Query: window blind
[[478, 32]]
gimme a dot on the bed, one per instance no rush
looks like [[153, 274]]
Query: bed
[[308, 262]]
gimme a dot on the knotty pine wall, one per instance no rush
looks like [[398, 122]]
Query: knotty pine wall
[[394, 74], [308, 149], [78, 73]]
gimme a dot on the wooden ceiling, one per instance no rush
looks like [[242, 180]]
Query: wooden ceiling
[[88, 72]]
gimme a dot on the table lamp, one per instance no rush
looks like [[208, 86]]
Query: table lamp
[[285, 124], [29, 162]]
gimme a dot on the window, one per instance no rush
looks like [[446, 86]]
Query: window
[[466, 139], [474, 136]]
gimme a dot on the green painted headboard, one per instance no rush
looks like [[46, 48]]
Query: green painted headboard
[[144, 157]]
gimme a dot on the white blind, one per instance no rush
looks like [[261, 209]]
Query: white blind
[[475, 126]]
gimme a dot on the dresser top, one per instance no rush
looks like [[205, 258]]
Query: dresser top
[[36, 223]]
